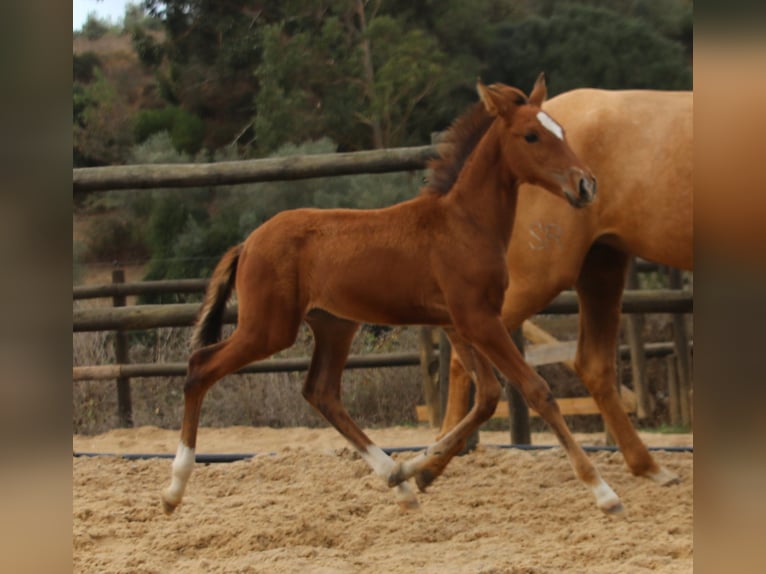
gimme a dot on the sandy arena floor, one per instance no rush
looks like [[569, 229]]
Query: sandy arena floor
[[307, 504]]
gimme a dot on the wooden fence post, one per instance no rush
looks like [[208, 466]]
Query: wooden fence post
[[429, 366], [674, 408], [518, 410], [121, 356], [635, 325], [681, 340]]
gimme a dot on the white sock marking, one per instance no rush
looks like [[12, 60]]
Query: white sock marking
[[382, 465], [605, 496], [378, 460], [183, 464], [550, 124]]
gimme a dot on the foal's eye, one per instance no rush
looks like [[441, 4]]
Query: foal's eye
[[531, 137]]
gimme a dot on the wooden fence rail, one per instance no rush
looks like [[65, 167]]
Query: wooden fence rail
[[536, 355], [183, 314], [154, 176], [139, 288]]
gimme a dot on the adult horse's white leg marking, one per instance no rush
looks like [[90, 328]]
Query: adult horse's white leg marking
[[182, 468], [382, 465]]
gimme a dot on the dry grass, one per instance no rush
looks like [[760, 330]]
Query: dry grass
[[374, 397]]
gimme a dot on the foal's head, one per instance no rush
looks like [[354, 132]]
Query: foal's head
[[534, 144]]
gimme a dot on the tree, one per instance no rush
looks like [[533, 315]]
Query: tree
[[594, 47], [210, 51], [94, 28], [363, 78], [103, 127]]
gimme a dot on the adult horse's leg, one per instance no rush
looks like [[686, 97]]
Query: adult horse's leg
[[458, 396], [332, 341], [207, 366], [600, 288]]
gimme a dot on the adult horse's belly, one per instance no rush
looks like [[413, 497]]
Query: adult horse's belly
[[638, 143]]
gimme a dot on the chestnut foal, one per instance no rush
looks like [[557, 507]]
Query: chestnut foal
[[437, 259]]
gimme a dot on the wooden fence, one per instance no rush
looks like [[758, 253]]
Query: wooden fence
[[153, 176], [121, 317]]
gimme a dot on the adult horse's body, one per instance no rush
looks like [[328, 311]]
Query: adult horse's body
[[437, 259], [639, 146]]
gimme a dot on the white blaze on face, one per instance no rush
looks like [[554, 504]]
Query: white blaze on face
[[550, 124]]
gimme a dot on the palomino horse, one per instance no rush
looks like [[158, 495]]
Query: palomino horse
[[639, 145], [437, 259]]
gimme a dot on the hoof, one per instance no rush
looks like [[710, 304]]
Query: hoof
[[408, 504], [397, 476], [424, 478], [613, 508], [607, 499], [167, 506], [664, 477]]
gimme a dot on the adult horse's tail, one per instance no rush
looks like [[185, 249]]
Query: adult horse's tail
[[207, 329]]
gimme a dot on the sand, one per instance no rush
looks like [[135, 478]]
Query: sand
[[306, 503]]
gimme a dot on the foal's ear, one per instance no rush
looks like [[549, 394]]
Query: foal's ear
[[500, 100], [539, 92]]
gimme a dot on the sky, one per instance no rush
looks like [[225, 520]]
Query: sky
[[112, 10]]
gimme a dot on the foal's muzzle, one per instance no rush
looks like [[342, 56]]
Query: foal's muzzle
[[585, 191]]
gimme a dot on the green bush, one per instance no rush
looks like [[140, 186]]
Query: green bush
[[186, 130], [146, 47]]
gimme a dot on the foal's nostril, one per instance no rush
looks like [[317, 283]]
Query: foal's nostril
[[587, 189]]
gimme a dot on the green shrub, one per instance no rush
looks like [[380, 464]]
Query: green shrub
[[186, 130], [146, 47]]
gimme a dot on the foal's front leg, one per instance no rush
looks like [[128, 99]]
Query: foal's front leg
[[332, 341], [494, 341]]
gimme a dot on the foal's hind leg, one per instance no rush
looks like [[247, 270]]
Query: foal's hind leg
[[206, 367], [332, 341], [600, 288], [430, 464]]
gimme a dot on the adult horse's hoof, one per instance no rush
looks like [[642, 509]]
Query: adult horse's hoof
[[664, 477]]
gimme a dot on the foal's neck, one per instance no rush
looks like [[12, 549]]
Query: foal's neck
[[486, 189]]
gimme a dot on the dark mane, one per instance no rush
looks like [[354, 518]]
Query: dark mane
[[457, 144]]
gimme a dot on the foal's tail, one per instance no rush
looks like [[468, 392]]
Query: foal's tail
[[207, 330]]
